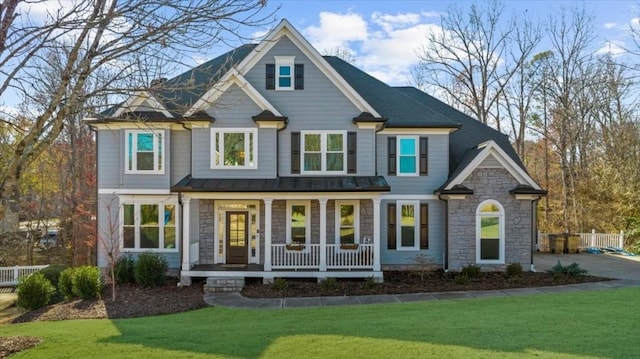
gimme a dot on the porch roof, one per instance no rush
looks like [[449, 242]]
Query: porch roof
[[285, 184]]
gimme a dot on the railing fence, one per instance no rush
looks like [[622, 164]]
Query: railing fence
[[10, 276], [587, 240]]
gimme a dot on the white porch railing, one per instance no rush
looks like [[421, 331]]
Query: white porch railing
[[10, 276], [592, 239], [309, 257], [359, 258]]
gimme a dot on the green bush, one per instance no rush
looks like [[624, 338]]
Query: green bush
[[462, 279], [370, 282], [328, 284], [279, 284], [513, 270], [123, 270], [52, 273], [87, 283], [34, 291], [65, 283], [471, 271], [572, 270], [150, 270]]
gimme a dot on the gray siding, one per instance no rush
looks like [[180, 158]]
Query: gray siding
[[109, 158], [438, 167], [180, 152], [108, 230], [147, 181]]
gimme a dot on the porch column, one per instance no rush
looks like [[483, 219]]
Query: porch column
[[267, 233], [186, 247], [376, 234], [323, 233]]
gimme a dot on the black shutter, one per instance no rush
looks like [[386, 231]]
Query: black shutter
[[391, 227], [424, 152], [424, 226], [271, 77], [295, 152], [351, 152], [299, 76], [391, 155]]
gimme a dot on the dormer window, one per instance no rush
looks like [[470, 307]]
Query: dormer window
[[285, 74]]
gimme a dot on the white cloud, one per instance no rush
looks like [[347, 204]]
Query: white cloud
[[611, 47], [610, 25], [429, 14], [390, 22], [635, 23], [337, 30]]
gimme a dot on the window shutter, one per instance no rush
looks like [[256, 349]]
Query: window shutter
[[391, 228], [299, 76], [295, 152], [424, 226], [391, 155], [424, 152], [271, 77], [351, 152]]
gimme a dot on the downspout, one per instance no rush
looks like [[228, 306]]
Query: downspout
[[534, 229], [445, 263]]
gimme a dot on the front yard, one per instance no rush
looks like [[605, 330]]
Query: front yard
[[572, 325]]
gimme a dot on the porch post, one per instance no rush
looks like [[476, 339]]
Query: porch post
[[376, 234], [323, 233], [186, 247], [267, 233]]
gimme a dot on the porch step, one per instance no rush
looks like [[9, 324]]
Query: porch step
[[223, 284]]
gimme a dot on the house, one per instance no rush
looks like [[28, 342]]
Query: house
[[274, 161]]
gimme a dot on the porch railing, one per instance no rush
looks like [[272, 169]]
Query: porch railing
[[360, 257], [10, 276], [308, 257], [592, 239]]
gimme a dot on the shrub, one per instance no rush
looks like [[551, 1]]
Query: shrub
[[513, 270], [370, 282], [328, 284], [150, 270], [423, 263], [87, 283], [462, 279], [65, 283], [572, 270], [279, 284], [123, 270], [52, 273], [471, 271], [34, 291]]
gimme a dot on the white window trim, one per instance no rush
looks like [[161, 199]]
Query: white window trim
[[221, 207], [501, 216], [285, 61], [307, 211], [137, 203], [156, 152], [417, 156], [416, 215], [323, 152], [247, 148], [356, 222]]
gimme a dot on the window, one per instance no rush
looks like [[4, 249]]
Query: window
[[407, 156], [144, 152], [284, 72], [490, 232], [323, 152], [234, 148], [298, 220], [347, 222], [407, 225], [149, 226]]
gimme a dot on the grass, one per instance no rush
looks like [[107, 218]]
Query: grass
[[570, 325]]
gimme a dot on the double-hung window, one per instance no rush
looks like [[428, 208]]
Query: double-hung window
[[490, 233], [234, 148], [144, 151], [407, 155], [284, 72], [408, 214], [298, 222], [324, 152], [347, 222], [149, 226]]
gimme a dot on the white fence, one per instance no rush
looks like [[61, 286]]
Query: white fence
[[9, 276], [308, 257], [592, 239]]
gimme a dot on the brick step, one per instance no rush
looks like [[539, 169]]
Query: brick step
[[223, 284]]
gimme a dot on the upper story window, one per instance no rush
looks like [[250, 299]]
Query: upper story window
[[149, 226], [234, 148], [324, 152], [407, 155], [285, 74], [144, 151]]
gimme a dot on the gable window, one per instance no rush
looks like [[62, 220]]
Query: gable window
[[347, 222], [234, 148], [149, 226], [323, 152], [284, 72], [407, 225], [407, 155], [298, 222], [144, 151], [490, 232]]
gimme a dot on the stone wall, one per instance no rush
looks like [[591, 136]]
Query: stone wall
[[487, 184], [206, 228]]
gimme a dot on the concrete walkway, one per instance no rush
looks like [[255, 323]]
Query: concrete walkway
[[236, 300]]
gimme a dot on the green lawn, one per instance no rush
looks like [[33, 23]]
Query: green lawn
[[574, 325]]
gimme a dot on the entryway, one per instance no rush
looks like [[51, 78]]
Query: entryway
[[237, 235]]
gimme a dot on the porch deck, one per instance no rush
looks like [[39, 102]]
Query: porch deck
[[257, 271]]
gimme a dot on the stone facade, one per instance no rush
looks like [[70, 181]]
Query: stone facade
[[486, 184], [206, 227]]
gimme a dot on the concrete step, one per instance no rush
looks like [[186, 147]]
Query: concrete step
[[223, 284]]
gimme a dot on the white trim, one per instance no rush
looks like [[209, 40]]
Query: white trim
[[278, 125], [161, 203], [416, 155], [301, 196], [416, 225], [159, 150], [529, 197], [249, 150], [307, 218], [220, 208], [417, 131], [501, 234], [323, 152], [285, 61], [284, 28], [405, 197], [137, 125], [492, 148], [453, 196], [134, 191], [137, 99], [356, 219], [369, 125]]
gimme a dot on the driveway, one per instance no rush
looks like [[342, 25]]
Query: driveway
[[602, 265]]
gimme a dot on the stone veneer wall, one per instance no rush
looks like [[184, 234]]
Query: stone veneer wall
[[206, 228], [489, 184]]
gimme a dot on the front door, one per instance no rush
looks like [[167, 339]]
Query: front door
[[237, 237]]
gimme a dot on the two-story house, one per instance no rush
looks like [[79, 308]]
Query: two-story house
[[274, 161]]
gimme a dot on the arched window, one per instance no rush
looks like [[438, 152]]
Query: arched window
[[490, 232]]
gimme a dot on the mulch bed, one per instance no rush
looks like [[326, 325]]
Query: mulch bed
[[14, 344]]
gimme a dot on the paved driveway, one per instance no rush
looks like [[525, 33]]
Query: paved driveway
[[602, 265]]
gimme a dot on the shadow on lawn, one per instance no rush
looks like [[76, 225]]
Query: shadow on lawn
[[549, 326]]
